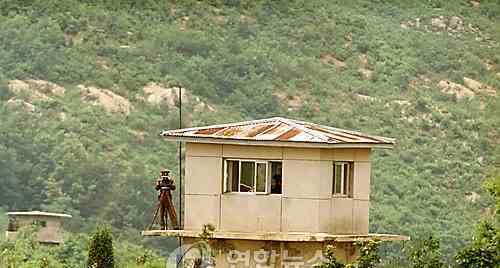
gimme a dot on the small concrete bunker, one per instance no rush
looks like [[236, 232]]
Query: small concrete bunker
[[277, 188], [49, 225]]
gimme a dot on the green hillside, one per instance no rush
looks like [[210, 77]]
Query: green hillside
[[86, 87]]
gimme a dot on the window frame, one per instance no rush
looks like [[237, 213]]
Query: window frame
[[256, 162], [266, 179], [349, 179], [254, 175]]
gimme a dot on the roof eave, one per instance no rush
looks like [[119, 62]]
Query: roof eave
[[38, 214], [278, 143]]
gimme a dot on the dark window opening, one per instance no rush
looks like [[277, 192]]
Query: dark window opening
[[12, 226], [233, 175], [40, 223], [276, 177]]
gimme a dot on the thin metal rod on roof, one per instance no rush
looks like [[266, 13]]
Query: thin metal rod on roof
[[180, 158], [181, 225]]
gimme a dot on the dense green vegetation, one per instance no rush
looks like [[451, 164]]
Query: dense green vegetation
[[101, 249], [362, 65], [25, 252]]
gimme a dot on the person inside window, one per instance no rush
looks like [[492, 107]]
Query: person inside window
[[276, 184]]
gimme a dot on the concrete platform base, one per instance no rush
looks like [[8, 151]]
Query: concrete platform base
[[286, 237]]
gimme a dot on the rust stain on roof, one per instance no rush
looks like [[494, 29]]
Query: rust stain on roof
[[289, 134], [279, 129], [228, 132], [208, 131], [258, 130]]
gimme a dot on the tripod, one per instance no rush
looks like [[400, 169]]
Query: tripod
[[155, 216], [165, 207]]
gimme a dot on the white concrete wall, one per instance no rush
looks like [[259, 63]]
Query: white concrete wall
[[306, 205], [342, 216], [248, 253], [200, 210], [250, 213], [203, 185], [203, 175]]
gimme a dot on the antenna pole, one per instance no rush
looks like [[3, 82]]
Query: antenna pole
[[181, 225], [180, 159]]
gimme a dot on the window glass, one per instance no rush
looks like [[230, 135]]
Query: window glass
[[247, 176], [233, 172], [342, 178], [276, 177], [350, 179], [337, 182], [261, 177], [345, 178]]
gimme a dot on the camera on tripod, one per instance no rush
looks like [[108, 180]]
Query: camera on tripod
[[164, 186], [164, 174]]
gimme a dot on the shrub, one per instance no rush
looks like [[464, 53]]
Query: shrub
[[331, 260], [426, 254], [368, 254], [101, 249], [485, 249]]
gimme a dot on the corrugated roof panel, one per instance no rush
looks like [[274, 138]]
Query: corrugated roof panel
[[208, 131], [258, 129], [280, 130], [306, 137], [275, 132], [289, 134]]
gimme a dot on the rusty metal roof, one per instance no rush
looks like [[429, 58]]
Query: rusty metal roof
[[277, 130]]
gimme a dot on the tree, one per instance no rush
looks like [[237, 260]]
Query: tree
[[484, 251], [101, 249], [426, 254], [492, 186], [368, 254], [331, 260]]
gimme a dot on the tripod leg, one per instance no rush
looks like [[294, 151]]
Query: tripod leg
[[155, 216], [171, 213]]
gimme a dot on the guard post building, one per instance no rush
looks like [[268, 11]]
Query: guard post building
[[49, 229], [277, 186]]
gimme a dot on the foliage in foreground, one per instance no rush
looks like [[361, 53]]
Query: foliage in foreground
[[25, 252], [426, 254], [331, 261], [484, 251], [368, 256], [101, 249]]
